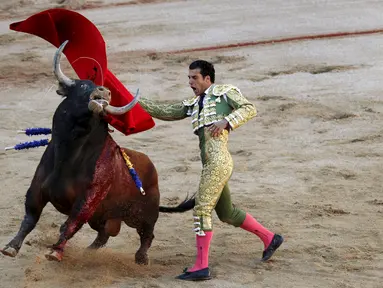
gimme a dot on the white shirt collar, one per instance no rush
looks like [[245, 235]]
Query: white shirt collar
[[208, 89]]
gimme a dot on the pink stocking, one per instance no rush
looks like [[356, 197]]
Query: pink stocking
[[252, 225], [203, 244]]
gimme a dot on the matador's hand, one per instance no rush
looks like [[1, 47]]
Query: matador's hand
[[217, 127]]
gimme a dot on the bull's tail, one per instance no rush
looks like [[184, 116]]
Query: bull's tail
[[184, 206]]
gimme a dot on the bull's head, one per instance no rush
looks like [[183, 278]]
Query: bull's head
[[97, 97]]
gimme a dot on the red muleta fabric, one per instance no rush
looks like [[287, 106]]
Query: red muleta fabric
[[86, 53]]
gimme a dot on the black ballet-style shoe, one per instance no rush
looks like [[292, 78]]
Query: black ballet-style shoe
[[199, 275], [269, 251]]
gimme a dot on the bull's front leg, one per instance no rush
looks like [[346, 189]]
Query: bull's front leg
[[34, 205], [84, 207]]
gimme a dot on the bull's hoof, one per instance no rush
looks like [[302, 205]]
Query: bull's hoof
[[54, 256], [142, 259], [9, 251]]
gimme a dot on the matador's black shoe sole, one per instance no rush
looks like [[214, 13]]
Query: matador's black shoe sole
[[274, 245], [200, 275]]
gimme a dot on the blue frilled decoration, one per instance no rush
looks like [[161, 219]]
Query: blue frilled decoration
[[37, 131], [132, 171], [136, 179], [27, 145]]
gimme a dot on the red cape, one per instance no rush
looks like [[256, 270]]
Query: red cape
[[86, 53]]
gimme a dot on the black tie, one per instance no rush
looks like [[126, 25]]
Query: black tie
[[200, 102]]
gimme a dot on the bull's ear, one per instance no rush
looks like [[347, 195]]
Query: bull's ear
[[61, 90]]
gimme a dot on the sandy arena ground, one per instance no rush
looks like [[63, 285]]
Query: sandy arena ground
[[309, 166]]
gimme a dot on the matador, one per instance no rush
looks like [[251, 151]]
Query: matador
[[215, 110]]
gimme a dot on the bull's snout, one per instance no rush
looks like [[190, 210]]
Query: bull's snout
[[103, 90], [101, 93], [99, 99]]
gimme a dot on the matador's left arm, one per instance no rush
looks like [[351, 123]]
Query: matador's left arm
[[243, 111]]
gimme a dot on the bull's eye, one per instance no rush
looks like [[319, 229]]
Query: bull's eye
[[84, 86]]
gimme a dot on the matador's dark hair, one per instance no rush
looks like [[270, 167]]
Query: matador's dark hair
[[207, 68]]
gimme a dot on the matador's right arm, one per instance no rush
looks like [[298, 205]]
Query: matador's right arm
[[166, 112]]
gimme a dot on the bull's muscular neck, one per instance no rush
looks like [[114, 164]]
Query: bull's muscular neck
[[85, 136], [77, 142]]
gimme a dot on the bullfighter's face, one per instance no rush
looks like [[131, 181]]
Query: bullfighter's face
[[197, 82]]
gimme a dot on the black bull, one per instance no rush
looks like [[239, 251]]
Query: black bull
[[83, 174]]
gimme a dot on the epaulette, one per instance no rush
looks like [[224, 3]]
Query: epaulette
[[220, 90]]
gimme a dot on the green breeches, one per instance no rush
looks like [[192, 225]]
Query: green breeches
[[213, 192], [225, 210]]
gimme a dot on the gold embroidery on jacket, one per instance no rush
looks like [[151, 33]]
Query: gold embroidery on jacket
[[243, 109]]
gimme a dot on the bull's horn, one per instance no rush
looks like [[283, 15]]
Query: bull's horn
[[64, 80], [122, 110]]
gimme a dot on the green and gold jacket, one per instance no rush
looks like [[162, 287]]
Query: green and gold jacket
[[220, 102]]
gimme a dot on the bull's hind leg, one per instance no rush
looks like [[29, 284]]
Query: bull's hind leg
[[100, 241], [146, 238], [34, 205], [102, 238], [109, 228]]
